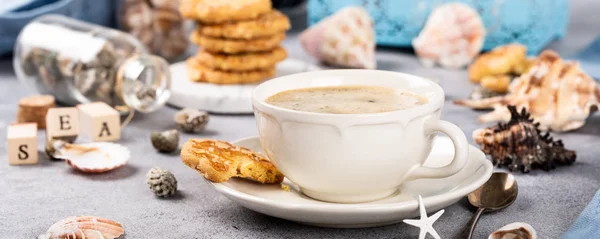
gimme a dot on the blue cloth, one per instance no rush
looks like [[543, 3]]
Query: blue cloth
[[533, 23], [588, 223], [589, 58], [15, 14]]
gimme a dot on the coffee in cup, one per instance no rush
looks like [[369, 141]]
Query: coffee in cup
[[351, 99], [353, 153]]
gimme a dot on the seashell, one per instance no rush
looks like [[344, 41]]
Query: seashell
[[53, 145], [94, 157], [84, 227], [346, 38], [479, 93], [191, 120], [452, 37], [515, 230], [520, 145], [558, 94]]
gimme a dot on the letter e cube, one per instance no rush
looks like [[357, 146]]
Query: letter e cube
[[62, 122]]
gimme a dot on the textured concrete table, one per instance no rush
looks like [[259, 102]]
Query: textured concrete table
[[34, 197]]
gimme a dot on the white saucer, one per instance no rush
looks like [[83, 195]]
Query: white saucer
[[437, 194], [227, 99]]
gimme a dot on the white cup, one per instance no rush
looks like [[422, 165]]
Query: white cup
[[351, 158]]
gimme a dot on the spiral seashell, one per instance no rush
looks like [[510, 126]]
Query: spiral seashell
[[558, 94], [191, 120]]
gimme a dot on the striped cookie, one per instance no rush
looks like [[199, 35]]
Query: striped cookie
[[217, 11], [200, 73], [267, 24], [233, 46], [241, 62]]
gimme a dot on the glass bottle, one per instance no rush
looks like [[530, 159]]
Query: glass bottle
[[78, 62]]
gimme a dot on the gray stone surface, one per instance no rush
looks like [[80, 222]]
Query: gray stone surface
[[34, 197]]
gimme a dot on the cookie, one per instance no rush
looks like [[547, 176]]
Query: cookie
[[216, 11], [499, 61], [267, 24], [241, 62], [219, 161], [200, 73], [233, 46], [496, 83]]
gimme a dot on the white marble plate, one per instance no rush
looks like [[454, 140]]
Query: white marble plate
[[226, 99], [294, 206]]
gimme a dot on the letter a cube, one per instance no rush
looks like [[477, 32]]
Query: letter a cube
[[99, 121], [62, 123], [22, 144]]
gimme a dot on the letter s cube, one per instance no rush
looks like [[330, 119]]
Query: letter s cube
[[22, 144]]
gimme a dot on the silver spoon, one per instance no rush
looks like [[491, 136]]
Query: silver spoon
[[497, 193]]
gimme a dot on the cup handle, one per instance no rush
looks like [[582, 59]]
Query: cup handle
[[461, 152]]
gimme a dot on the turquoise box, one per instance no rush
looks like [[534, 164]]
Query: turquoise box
[[533, 23]]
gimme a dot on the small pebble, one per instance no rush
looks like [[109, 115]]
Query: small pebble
[[162, 182], [166, 141]]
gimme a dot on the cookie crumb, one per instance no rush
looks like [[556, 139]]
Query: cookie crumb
[[285, 187]]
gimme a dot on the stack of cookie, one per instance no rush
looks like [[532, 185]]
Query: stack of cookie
[[239, 40]]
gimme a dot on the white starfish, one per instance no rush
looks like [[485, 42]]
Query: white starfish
[[425, 223]]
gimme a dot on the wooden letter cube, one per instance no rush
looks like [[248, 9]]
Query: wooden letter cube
[[99, 121], [62, 123], [22, 144]]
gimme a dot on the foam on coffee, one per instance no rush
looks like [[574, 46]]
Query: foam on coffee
[[356, 99]]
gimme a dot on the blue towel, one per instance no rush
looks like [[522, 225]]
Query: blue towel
[[588, 223], [589, 58], [15, 14], [20, 5]]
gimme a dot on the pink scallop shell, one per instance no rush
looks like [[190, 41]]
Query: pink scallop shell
[[84, 227], [346, 38], [453, 35]]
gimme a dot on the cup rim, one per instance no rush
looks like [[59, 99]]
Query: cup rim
[[434, 103]]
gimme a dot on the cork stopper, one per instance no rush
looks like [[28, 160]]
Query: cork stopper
[[33, 109]]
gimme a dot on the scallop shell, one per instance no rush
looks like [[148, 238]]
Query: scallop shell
[[452, 37], [84, 227], [346, 38], [94, 157], [515, 230]]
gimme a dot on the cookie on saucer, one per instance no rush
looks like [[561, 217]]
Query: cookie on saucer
[[218, 161], [217, 11], [201, 73], [241, 62], [233, 46], [267, 24]]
